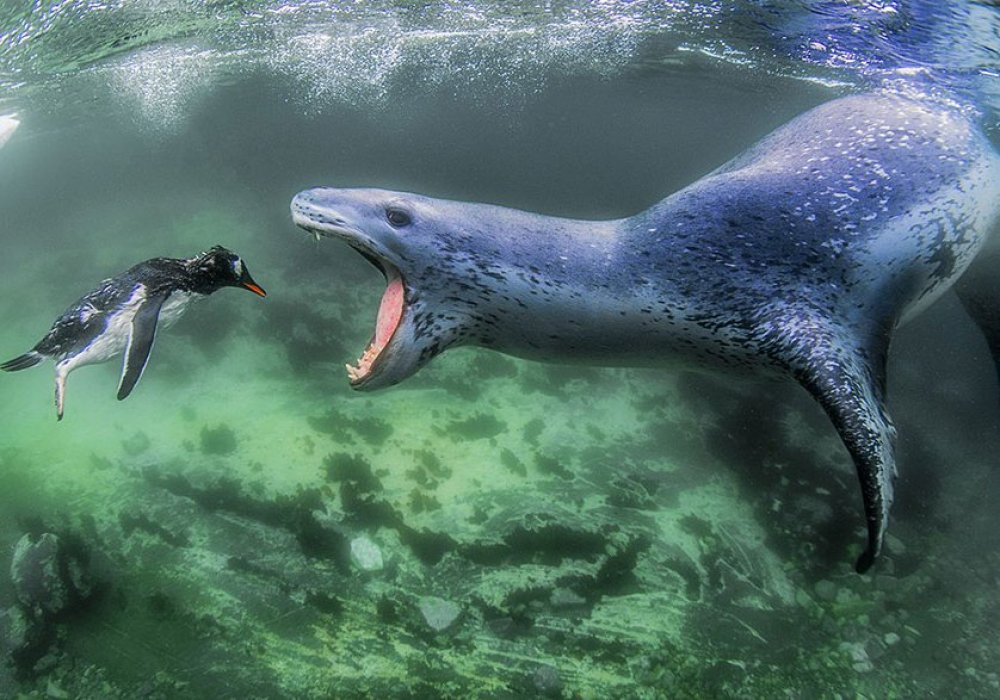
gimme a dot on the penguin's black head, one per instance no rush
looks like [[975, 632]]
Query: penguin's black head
[[220, 267]]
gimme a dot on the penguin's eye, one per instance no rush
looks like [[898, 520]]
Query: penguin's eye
[[238, 267], [397, 217]]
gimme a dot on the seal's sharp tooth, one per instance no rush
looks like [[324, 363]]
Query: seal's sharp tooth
[[316, 236]]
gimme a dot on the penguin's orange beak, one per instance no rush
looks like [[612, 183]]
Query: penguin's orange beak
[[256, 289]]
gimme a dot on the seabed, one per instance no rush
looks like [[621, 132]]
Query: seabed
[[518, 530]]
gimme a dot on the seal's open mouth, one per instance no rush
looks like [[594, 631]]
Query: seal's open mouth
[[393, 305], [390, 313]]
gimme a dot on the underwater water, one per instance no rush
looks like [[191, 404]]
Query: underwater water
[[246, 525]]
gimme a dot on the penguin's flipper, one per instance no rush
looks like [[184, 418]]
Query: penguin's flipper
[[140, 342], [846, 375]]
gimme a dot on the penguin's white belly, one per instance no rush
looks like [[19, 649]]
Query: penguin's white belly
[[110, 343], [175, 306], [114, 339]]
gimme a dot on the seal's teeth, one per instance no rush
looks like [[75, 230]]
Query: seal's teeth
[[316, 236], [363, 366]]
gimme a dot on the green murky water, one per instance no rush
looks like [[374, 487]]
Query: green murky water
[[543, 531]]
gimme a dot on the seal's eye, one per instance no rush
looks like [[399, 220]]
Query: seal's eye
[[397, 217]]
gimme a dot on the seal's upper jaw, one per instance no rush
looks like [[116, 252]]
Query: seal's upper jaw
[[328, 213], [310, 212]]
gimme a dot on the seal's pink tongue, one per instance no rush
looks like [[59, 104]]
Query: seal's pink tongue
[[389, 312]]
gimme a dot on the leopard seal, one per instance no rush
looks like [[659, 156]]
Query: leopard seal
[[799, 257]]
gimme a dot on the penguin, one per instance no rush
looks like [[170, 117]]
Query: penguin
[[120, 316]]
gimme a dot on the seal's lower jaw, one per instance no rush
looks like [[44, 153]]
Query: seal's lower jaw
[[390, 315]]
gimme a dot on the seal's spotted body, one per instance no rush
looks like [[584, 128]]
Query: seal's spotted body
[[798, 257]]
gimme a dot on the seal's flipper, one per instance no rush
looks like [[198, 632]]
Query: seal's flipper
[[847, 377], [140, 342], [849, 389]]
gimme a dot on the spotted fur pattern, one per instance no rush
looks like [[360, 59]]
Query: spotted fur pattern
[[799, 257]]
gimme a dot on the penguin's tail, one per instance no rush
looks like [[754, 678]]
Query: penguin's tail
[[28, 359]]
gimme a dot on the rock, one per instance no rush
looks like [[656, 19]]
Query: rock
[[14, 631], [894, 545], [35, 573], [826, 590], [137, 444], [25, 637], [890, 639], [846, 596], [220, 440], [547, 681], [504, 627], [875, 649], [439, 614], [52, 690], [860, 661], [365, 554], [47, 578], [802, 598], [566, 598]]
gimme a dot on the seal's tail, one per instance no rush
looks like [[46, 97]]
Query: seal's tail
[[28, 359]]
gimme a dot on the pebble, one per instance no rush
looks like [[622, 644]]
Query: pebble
[[365, 554], [566, 598], [861, 662], [439, 614]]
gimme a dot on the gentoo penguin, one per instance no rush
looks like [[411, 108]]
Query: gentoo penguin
[[122, 313]]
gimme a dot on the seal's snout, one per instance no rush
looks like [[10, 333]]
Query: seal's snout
[[318, 212], [307, 198], [305, 211]]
